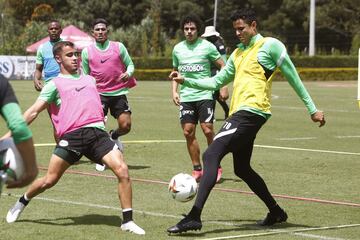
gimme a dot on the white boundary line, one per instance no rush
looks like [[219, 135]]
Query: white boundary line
[[308, 235], [307, 150], [256, 145], [296, 138], [283, 232], [270, 232], [348, 136]]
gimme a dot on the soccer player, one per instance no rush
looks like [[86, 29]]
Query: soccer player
[[21, 135], [79, 123], [111, 65], [45, 61], [214, 37], [44, 57], [192, 58], [251, 66]]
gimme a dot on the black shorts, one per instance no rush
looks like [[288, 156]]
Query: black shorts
[[116, 104], [240, 128], [91, 142], [192, 112]]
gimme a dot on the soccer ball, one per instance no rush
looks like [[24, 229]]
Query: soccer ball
[[183, 187], [11, 161]]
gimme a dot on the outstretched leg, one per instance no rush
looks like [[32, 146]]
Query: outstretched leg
[[115, 161]]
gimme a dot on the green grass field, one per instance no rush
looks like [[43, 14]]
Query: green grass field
[[313, 171]]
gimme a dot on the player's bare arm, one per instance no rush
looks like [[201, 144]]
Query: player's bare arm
[[38, 84], [31, 113]]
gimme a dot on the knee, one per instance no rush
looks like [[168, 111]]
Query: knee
[[206, 155], [122, 172], [208, 132], [125, 127], [242, 172], [49, 183], [189, 134]]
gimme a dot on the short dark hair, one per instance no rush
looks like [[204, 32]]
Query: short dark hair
[[54, 21], [246, 14], [58, 47], [99, 20], [191, 18]]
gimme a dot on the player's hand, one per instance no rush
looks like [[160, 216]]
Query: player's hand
[[176, 99], [38, 84], [318, 117], [224, 93], [173, 74], [124, 77], [176, 76]]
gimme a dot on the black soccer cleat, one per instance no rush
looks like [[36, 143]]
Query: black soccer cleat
[[272, 218], [186, 224]]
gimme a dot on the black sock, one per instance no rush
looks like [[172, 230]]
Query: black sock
[[195, 213], [114, 134], [23, 200], [197, 167], [127, 216]]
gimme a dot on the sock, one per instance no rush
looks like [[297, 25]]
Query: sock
[[24, 200], [127, 215], [197, 167], [114, 134], [195, 213]]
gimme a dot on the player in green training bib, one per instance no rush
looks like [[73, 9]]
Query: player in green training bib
[[192, 58]]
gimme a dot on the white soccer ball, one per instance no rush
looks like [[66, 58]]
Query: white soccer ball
[[11, 161], [183, 187]]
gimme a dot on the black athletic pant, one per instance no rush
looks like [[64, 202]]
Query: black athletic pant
[[237, 136]]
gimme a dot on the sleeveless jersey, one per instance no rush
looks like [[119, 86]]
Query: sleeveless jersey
[[106, 67], [80, 104], [251, 86]]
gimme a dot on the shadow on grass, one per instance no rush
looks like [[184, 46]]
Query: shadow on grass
[[133, 167], [236, 180], [88, 162], [239, 228], [90, 219]]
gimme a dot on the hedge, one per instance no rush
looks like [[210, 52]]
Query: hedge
[[299, 61], [306, 74]]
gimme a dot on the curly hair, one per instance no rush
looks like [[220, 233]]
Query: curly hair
[[191, 18]]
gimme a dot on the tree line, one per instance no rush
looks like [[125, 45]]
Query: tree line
[[151, 27]]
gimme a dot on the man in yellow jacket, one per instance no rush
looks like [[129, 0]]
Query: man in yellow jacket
[[251, 67]]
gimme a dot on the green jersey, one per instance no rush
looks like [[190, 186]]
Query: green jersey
[[11, 112], [194, 61]]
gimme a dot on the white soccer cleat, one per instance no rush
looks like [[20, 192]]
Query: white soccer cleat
[[132, 227], [100, 167], [14, 213], [115, 139]]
